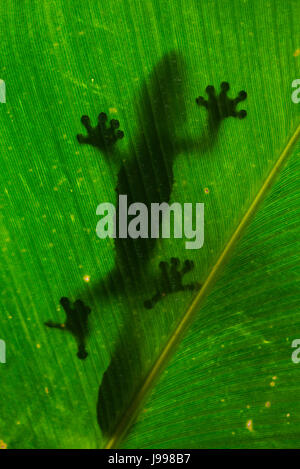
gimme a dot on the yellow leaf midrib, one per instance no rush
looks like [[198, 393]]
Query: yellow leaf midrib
[[133, 409]]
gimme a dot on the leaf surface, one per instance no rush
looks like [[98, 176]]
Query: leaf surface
[[62, 60]]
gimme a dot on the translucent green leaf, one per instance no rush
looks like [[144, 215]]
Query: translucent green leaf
[[145, 63]]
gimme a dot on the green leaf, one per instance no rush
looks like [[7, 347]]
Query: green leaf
[[145, 64], [289, 203], [232, 383]]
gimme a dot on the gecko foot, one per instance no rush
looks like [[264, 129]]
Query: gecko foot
[[171, 280], [100, 136], [221, 106], [76, 322]]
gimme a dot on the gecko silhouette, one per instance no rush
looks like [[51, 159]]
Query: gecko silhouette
[[146, 175], [146, 170]]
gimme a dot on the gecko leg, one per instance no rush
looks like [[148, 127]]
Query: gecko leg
[[101, 136], [171, 280]]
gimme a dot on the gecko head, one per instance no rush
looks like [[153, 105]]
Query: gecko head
[[65, 302], [161, 99]]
